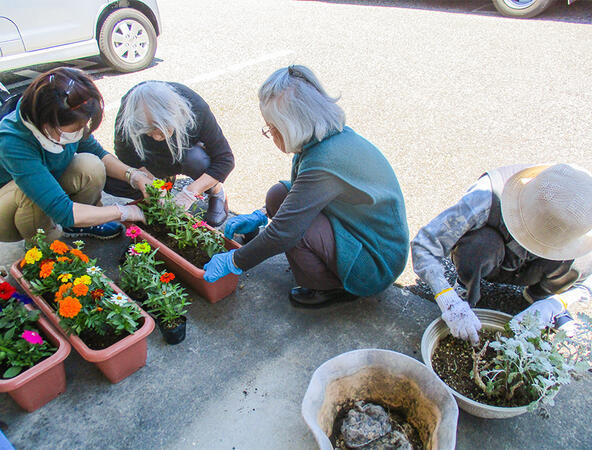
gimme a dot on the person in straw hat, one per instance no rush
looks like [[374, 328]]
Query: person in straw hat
[[524, 225]]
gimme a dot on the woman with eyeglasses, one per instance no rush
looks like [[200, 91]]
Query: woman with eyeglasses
[[52, 170], [166, 129], [340, 220]]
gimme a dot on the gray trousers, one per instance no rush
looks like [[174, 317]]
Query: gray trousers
[[312, 260], [479, 254], [194, 164]]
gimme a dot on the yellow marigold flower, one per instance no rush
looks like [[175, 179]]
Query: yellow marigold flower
[[80, 290], [70, 307], [158, 183], [84, 279], [58, 247], [46, 269], [64, 277], [33, 255]]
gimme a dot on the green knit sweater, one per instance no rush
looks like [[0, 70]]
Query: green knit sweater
[[372, 238]]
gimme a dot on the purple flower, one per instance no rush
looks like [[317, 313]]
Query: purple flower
[[24, 299]]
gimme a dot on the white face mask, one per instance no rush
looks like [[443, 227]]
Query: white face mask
[[69, 137]]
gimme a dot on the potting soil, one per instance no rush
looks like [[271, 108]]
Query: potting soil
[[194, 255], [453, 362]]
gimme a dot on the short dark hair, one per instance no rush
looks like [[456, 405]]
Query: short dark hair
[[60, 97]]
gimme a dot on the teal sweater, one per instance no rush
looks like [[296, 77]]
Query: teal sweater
[[372, 238], [37, 171]]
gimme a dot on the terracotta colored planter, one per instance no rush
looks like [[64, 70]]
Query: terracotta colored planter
[[192, 275], [117, 361], [43, 382]]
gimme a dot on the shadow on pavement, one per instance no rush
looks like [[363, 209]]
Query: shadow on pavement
[[579, 12]]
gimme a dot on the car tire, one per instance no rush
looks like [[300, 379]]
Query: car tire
[[127, 40], [522, 8]]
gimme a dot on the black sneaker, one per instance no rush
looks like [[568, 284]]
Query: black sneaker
[[108, 230], [311, 298]]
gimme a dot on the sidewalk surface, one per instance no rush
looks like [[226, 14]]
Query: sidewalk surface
[[238, 379]]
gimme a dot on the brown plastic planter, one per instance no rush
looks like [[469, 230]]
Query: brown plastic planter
[[117, 361], [192, 275], [43, 382]]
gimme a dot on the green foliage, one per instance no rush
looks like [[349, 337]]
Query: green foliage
[[15, 351], [138, 271], [532, 362], [160, 208], [167, 301]]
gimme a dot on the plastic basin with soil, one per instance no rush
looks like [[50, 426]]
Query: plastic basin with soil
[[437, 332], [46, 380], [191, 274], [411, 393], [118, 360]]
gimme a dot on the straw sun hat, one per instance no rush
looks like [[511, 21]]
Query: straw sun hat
[[548, 210]]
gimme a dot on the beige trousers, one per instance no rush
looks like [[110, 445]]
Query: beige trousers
[[20, 217]]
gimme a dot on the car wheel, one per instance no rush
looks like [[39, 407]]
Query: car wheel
[[521, 8], [127, 40]]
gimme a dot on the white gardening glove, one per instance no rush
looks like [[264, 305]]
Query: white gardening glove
[[185, 198], [131, 213], [547, 309], [459, 317], [139, 179]]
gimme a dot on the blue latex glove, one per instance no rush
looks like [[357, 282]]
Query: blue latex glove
[[244, 223], [219, 266]]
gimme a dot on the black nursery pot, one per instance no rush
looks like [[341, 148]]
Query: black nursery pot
[[175, 335]]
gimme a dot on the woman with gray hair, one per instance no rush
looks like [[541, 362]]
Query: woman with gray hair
[[166, 129], [341, 219]]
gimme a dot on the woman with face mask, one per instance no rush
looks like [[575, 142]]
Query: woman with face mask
[[52, 170]]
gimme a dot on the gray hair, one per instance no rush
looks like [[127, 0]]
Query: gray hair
[[156, 104], [293, 100]]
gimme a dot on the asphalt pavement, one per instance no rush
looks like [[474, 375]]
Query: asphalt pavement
[[446, 89]]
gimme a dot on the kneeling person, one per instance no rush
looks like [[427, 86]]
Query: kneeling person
[[522, 225]]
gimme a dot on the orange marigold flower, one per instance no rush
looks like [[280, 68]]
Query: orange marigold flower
[[59, 247], [61, 291], [167, 277], [97, 294], [79, 255], [46, 269], [70, 307], [80, 290], [63, 258], [99, 308]]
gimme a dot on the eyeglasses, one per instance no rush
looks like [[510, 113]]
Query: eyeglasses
[[266, 131]]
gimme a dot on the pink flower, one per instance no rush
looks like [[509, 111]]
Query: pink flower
[[132, 251], [199, 196], [31, 337], [133, 232], [198, 224]]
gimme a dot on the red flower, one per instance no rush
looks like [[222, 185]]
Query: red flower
[[167, 277], [97, 294], [6, 290], [167, 186]]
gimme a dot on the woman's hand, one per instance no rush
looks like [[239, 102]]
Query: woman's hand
[[139, 179], [219, 266]]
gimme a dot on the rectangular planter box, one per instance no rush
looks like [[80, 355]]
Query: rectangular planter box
[[117, 361], [43, 382], [191, 274]]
